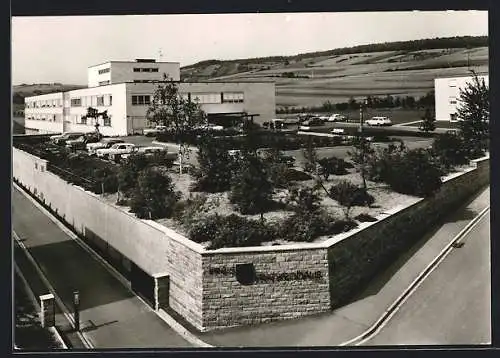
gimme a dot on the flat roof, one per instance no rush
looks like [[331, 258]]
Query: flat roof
[[132, 62], [461, 76]]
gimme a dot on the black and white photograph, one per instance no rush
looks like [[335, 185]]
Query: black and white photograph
[[250, 180]]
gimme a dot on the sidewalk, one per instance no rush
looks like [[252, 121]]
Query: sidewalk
[[111, 316], [345, 323]]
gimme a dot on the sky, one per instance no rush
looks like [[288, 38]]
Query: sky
[[59, 49]]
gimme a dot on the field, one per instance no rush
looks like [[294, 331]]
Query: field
[[338, 78]]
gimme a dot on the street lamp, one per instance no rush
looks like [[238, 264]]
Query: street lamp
[[361, 109], [76, 304]]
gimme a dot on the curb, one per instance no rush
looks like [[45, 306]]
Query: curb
[[86, 341], [394, 307], [176, 326]]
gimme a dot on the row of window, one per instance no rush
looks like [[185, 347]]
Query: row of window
[[45, 117], [201, 98], [44, 103], [103, 83], [145, 69], [92, 101], [77, 119], [104, 70]]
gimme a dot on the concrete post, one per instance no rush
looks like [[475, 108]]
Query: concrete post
[[47, 310], [162, 288]]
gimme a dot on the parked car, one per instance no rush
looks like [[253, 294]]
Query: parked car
[[62, 138], [116, 150], [312, 122], [104, 143], [81, 142], [338, 131], [379, 121], [151, 132], [336, 117], [148, 151]]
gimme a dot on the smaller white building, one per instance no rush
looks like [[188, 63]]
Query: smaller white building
[[447, 95]]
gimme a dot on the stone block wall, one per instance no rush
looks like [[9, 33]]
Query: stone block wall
[[288, 284]]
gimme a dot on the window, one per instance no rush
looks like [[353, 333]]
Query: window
[[452, 83], [138, 100], [104, 70], [205, 98], [103, 83], [110, 100], [76, 102], [137, 69], [59, 102], [107, 121], [93, 101], [100, 100], [453, 100], [154, 70], [81, 120], [453, 117], [232, 97]]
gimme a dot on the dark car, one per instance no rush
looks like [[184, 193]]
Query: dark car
[[81, 142]]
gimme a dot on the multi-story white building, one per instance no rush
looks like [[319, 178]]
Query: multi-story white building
[[124, 90], [447, 95]]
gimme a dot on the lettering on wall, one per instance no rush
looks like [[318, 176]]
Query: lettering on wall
[[262, 277]]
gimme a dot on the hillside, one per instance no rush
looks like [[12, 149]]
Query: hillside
[[397, 69], [27, 90]]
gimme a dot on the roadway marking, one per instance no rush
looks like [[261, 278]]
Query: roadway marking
[[171, 322], [396, 305]]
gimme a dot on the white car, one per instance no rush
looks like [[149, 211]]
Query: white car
[[337, 118], [338, 131], [154, 131], [116, 150], [104, 143], [379, 121]]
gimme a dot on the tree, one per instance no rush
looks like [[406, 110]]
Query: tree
[[94, 113], [129, 171], [251, 187], [348, 195], [474, 112], [428, 122], [178, 113], [215, 165], [154, 196], [360, 154], [310, 157]]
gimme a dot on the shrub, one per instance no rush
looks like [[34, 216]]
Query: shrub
[[215, 166], [414, 173], [449, 149], [332, 166], [129, 172], [230, 231], [306, 227], [154, 195], [304, 200], [365, 218], [349, 194], [187, 212], [251, 187], [292, 175], [107, 179], [379, 162]]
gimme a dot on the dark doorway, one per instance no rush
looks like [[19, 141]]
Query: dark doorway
[[142, 284]]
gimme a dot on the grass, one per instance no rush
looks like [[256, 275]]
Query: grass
[[29, 334]]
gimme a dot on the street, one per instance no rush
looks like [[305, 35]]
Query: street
[[111, 316], [452, 306]]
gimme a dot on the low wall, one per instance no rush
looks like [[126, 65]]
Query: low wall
[[288, 283], [238, 286]]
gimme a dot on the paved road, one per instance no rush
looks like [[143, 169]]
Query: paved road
[[452, 306], [115, 317], [345, 323]]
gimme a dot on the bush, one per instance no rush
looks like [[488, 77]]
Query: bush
[[365, 218], [231, 231], [349, 194], [306, 227], [292, 175], [251, 187], [304, 200], [414, 173], [129, 172], [449, 149], [332, 166], [379, 162], [187, 212], [154, 196], [215, 166]]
